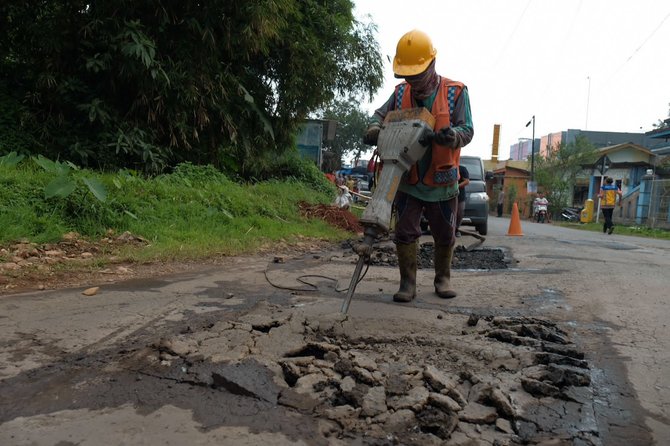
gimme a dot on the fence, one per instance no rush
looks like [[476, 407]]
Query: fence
[[659, 204]]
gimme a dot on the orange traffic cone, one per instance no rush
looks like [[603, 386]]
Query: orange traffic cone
[[515, 222]]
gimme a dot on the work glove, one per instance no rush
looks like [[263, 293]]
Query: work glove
[[446, 137], [371, 135], [427, 138]]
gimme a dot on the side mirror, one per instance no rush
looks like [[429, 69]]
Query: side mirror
[[488, 175]]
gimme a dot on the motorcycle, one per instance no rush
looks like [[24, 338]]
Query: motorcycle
[[571, 214], [541, 213]]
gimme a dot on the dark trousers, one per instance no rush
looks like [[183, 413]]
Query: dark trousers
[[500, 210], [441, 217], [607, 212]]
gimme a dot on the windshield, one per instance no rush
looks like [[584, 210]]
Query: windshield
[[474, 166]]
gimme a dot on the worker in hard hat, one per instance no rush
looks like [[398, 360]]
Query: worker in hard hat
[[431, 185]]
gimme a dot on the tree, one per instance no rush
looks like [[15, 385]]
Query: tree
[[351, 124], [557, 172], [663, 123], [153, 83]]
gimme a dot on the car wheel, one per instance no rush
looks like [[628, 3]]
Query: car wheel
[[482, 228]]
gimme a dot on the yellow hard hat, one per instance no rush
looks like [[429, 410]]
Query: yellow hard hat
[[413, 54]]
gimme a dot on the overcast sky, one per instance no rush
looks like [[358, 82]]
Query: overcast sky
[[580, 64]]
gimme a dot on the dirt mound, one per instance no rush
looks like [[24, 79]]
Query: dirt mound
[[335, 216]]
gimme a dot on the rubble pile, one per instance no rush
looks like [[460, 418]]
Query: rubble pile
[[481, 258], [503, 381]]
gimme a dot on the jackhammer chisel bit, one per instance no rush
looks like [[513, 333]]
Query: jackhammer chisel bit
[[402, 142]]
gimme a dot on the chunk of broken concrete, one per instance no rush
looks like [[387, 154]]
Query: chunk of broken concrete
[[374, 402], [415, 399], [478, 414], [504, 425], [400, 420], [437, 379], [91, 291], [443, 402], [363, 361], [305, 384]]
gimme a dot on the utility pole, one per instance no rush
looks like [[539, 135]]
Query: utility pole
[[588, 98], [532, 150]]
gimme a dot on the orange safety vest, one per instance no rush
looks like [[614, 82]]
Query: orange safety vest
[[443, 170]]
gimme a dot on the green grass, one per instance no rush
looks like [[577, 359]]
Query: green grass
[[192, 213], [638, 231]]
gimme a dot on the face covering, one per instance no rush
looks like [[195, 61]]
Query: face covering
[[424, 84]]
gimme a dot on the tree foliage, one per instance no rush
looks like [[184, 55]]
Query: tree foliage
[[152, 83], [351, 124], [557, 172], [663, 123]]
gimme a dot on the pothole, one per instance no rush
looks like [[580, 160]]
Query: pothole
[[484, 258], [506, 380]]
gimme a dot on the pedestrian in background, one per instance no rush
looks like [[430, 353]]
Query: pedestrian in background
[[343, 199], [608, 198], [501, 202]]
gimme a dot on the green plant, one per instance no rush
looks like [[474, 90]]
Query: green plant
[[512, 193], [556, 173], [148, 85], [191, 212], [12, 159], [65, 183]]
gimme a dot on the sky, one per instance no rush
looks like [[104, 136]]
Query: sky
[[601, 65]]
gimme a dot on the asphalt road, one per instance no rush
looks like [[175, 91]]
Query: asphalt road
[[617, 290], [611, 290]]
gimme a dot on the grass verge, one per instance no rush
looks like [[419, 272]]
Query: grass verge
[[194, 212], [638, 231]]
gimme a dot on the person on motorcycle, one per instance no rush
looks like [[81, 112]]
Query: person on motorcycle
[[540, 204], [431, 185]]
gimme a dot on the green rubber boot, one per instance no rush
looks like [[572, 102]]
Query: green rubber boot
[[407, 263], [443, 258]]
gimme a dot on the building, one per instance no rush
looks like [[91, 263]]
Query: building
[[512, 176], [311, 136], [638, 162], [658, 140], [521, 150]]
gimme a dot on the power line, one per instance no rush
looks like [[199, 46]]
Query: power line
[[509, 38], [643, 43]]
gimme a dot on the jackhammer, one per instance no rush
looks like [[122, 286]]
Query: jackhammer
[[403, 140]]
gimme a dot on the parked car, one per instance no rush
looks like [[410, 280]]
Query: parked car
[[477, 200], [362, 182]]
